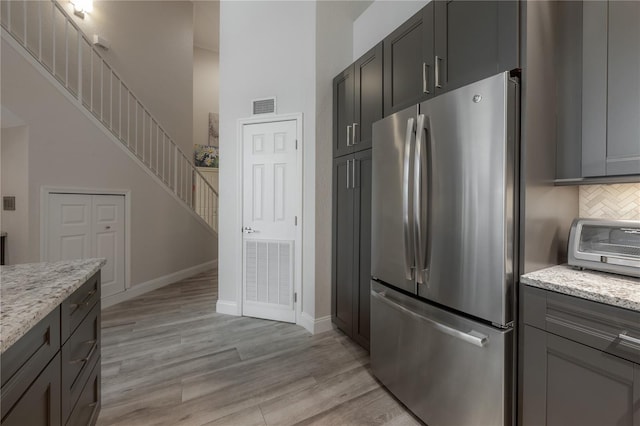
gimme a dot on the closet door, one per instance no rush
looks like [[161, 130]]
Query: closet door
[[69, 227], [108, 240], [81, 226]]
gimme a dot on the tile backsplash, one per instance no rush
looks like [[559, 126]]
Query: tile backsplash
[[619, 201]]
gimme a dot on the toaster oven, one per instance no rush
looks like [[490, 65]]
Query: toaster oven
[[605, 245]]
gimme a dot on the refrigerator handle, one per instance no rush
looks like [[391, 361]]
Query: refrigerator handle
[[348, 174], [419, 168], [349, 142], [409, 257], [473, 337]]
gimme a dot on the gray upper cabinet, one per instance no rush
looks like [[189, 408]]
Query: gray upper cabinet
[[357, 103], [611, 88], [409, 71], [473, 40]]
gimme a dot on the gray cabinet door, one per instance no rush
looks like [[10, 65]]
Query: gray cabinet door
[[611, 88], [342, 244], [40, 404], [343, 87], [368, 96], [566, 383], [623, 82], [409, 62], [474, 40], [362, 245]]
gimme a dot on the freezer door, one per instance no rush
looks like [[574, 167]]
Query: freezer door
[[470, 139], [392, 255], [447, 369]]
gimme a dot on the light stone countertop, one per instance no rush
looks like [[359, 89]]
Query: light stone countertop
[[29, 292], [611, 289]]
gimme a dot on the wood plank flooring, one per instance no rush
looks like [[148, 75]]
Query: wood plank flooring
[[169, 359]]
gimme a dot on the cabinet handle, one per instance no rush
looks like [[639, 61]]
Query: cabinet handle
[[353, 174], [85, 301], [627, 338], [89, 355], [348, 135], [353, 139], [438, 85], [348, 174], [425, 78]]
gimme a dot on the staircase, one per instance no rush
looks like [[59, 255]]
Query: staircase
[[61, 49]]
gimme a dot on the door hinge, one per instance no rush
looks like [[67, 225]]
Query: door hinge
[[296, 143], [295, 297], [295, 220]]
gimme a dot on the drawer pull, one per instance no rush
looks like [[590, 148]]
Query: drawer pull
[[85, 302], [627, 338], [90, 354]]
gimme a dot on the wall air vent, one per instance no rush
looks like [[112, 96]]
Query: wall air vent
[[264, 106]]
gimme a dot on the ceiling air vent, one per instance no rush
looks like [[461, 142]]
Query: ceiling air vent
[[264, 106]]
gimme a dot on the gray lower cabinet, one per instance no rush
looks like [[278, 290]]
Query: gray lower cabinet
[[351, 245], [576, 368], [51, 375], [357, 103]]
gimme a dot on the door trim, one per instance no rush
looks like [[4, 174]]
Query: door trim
[[45, 191], [241, 122]]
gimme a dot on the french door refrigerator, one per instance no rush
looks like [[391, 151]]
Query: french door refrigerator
[[443, 254]]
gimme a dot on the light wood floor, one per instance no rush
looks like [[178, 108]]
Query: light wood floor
[[169, 359]]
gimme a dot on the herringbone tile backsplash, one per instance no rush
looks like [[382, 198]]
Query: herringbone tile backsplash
[[621, 201]]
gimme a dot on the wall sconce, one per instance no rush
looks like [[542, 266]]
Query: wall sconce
[[80, 7]]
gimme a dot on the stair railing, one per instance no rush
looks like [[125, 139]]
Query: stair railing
[[54, 40]]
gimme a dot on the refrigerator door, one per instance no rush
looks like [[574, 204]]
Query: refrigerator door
[[392, 245], [447, 369], [470, 138]]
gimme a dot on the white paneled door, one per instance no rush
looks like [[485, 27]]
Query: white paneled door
[[271, 197], [82, 226]]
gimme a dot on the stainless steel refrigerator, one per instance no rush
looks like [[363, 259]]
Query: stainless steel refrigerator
[[444, 247]]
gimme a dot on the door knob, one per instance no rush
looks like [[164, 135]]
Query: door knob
[[107, 227], [248, 230]]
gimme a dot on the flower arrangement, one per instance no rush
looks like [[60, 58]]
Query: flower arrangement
[[206, 156]]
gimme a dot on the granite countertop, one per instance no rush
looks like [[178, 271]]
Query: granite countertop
[[612, 289], [29, 292]]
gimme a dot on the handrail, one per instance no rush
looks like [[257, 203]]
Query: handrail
[[57, 43]]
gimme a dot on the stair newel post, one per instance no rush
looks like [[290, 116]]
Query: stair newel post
[[175, 169], [80, 38]]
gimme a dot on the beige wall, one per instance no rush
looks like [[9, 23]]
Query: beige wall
[[68, 150], [205, 92], [267, 48], [152, 50], [14, 181], [620, 201]]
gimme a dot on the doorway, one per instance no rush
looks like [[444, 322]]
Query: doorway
[[271, 218]]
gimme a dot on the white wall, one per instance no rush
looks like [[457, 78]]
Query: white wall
[[14, 179], [267, 48], [379, 20], [68, 150], [334, 52], [152, 50], [205, 92]]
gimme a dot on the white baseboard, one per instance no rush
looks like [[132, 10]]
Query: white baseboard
[[315, 325], [157, 283], [229, 307]]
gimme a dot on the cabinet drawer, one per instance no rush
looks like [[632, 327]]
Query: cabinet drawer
[[23, 361], [79, 356], [88, 406], [76, 306], [39, 404], [607, 328]]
